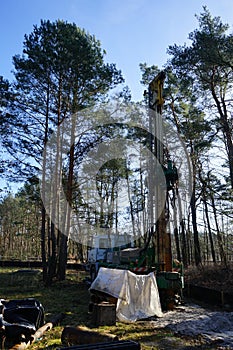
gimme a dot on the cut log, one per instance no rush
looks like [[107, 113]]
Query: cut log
[[82, 335], [119, 345]]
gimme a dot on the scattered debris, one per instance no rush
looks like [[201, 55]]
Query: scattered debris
[[39, 333], [20, 318]]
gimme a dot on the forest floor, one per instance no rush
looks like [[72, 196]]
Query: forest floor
[[189, 327], [215, 277]]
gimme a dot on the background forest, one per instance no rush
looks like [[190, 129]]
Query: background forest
[[62, 72]]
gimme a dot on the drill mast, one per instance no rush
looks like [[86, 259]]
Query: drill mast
[[158, 215]]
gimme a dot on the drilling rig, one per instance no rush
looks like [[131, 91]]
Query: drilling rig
[[170, 283], [156, 255]]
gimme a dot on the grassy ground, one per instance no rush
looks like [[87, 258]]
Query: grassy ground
[[71, 297]]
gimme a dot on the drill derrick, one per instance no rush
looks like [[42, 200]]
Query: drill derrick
[[159, 215]]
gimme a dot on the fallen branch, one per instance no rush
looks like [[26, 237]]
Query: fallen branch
[[39, 333]]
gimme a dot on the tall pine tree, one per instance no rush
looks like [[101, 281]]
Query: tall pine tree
[[61, 71]]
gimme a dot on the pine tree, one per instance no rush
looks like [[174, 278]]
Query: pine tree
[[60, 72]]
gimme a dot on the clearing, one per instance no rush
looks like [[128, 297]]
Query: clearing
[[188, 327]]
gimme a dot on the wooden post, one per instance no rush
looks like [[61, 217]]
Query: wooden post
[[222, 298]]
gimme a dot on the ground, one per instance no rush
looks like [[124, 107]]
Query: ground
[[189, 327], [214, 277]]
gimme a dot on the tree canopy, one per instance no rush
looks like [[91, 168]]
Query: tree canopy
[[207, 64]]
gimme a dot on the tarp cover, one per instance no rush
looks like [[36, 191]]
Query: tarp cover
[[137, 295]]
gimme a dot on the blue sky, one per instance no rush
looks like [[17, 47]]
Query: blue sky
[[131, 31]]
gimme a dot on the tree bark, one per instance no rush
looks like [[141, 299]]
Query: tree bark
[[219, 236], [209, 230], [69, 195], [204, 199], [197, 250], [43, 211], [176, 231]]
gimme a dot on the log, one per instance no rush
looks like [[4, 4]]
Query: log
[[113, 345], [39, 333], [82, 335]]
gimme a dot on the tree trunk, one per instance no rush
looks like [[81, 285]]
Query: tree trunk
[[219, 236], [226, 127], [209, 230], [52, 259], [43, 211], [43, 240], [62, 262], [197, 251], [182, 233], [130, 202], [176, 231], [204, 198]]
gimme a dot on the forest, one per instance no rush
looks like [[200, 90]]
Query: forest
[[65, 102]]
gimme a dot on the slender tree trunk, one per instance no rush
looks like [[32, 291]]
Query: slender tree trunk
[[53, 257], [184, 243], [193, 203], [219, 236], [55, 184], [112, 200], [43, 240], [69, 195], [204, 198], [176, 231], [197, 250], [209, 230], [130, 202], [182, 232], [43, 211]]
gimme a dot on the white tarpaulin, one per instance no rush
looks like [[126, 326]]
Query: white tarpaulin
[[137, 295]]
